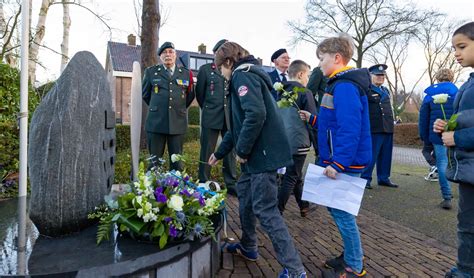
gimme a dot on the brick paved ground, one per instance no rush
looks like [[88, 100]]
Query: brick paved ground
[[410, 156], [391, 250]]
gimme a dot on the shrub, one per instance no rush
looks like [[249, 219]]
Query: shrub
[[122, 136], [407, 135], [9, 109], [409, 117], [193, 115]]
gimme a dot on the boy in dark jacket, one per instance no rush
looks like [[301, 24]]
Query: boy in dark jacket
[[256, 132], [298, 133], [343, 138], [429, 112], [461, 151]]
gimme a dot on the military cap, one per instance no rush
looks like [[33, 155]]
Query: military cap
[[378, 69], [164, 46], [277, 54], [219, 44]]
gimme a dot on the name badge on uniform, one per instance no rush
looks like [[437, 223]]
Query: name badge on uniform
[[155, 88]]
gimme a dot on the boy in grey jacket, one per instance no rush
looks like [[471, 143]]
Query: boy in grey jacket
[[461, 152]]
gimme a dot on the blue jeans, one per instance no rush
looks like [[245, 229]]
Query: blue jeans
[[442, 164], [347, 225], [258, 199]]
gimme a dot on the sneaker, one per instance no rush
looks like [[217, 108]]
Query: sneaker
[[347, 273], [335, 263], [236, 248], [286, 274], [305, 211], [446, 204]]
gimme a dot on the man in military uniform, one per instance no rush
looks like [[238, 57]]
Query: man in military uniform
[[282, 61], [212, 95], [381, 125], [168, 91]]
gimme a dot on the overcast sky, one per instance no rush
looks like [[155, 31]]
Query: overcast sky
[[258, 25]]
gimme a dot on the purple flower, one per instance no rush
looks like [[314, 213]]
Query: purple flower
[[159, 196], [198, 196], [173, 232], [185, 192], [168, 219], [186, 179], [171, 181]]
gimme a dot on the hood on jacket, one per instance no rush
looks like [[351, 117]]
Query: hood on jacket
[[250, 64], [442, 88], [360, 77]]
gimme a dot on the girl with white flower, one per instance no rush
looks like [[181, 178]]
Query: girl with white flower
[[438, 104]]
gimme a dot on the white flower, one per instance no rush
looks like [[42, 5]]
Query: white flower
[[278, 86], [155, 210], [139, 212], [176, 203], [148, 206], [139, 199], [175, 157], [147, 217], [440, 99]]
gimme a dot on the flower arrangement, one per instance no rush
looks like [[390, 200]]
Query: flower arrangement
[[287, 99], [161, 206]]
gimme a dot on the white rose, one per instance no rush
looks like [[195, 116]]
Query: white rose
[[278, 86], [176, 203], [440, 99], [175, 157]]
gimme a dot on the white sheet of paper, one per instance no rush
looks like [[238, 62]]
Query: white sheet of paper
[[344, 193]]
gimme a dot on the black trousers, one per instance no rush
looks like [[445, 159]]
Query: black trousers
[[156, 146], [293, 181], [466, 228], [208, 146]]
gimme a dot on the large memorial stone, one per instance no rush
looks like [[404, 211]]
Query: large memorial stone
[[72, 148]]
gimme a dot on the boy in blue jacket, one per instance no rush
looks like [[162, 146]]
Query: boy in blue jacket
[[461, 152], [343, 138]]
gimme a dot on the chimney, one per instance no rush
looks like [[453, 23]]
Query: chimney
[[202, 48], [132, 40], [260, 61]]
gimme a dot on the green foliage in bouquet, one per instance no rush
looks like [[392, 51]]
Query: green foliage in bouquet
[[287, 99], [160, 206]]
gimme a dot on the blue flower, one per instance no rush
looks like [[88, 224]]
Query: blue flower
[[197, 230], [180, 216]]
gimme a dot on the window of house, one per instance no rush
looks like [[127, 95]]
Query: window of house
[[200, 62], [192, 63]]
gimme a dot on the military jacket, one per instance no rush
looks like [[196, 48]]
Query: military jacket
[[168, 98], [380, 110], [212, 95]]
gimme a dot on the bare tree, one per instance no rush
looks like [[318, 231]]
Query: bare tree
[[65, 43], [369, 22], [394, 53], [138, 8], [149, 41], [8, 51], [435, 37], [39, 33]]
